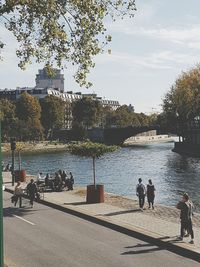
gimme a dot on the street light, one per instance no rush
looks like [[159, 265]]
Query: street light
[[1, 208], [13, 147]]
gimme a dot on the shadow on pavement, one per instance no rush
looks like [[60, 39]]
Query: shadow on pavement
[[76, 203], [141, 251], [120, 212], [10, 211]]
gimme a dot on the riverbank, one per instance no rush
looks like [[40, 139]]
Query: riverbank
[[39, 147], [160, 226]]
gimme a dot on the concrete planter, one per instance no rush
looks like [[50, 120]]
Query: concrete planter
[[95, 194]]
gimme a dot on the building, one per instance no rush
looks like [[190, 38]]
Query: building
[[44, 80], [46, 85]]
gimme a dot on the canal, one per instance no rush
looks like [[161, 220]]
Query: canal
[[171, 173]]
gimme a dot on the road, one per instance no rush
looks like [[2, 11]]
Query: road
[[45, 237]]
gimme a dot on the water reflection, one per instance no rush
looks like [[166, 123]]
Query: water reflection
[[171, 173]]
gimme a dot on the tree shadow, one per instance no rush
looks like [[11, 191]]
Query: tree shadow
[[141, 251]]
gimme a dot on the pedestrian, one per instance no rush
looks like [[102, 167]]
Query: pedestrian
[[32, 191], [18, 192], [141, 192], [186, 208], [71, 181], [150, 194]]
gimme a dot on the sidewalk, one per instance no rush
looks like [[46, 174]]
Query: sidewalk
[[160, 226]]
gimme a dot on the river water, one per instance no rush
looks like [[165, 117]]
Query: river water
[[171, 173]]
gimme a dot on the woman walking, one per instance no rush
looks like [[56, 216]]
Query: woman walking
[[150, 194]]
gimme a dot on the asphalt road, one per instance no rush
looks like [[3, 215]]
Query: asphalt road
[[45, 237]]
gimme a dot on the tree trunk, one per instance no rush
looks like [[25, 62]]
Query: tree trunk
[[94, 176]]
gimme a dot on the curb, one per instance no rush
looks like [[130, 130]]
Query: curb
[[130, 231]]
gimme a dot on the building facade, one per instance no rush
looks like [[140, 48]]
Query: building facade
[[47, 86], [55, 81]]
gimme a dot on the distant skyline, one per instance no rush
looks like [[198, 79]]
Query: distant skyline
[[148, 53]]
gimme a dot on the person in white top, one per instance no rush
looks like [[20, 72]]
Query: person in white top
[[18, 192], [141, 193]]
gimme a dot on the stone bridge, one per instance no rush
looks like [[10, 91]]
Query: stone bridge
[[110, 136], [117, 136]]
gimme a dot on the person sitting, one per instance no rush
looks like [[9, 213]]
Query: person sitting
[[64, 176], [58, 182], [46, 180]]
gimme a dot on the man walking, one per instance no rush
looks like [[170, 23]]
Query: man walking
[[31, 190], [185, 206], [141, 192]]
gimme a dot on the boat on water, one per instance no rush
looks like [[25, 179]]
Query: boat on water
[[140, 140]]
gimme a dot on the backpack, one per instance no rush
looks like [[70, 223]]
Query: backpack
[[140, 189]]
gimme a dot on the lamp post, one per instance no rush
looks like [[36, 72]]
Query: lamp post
[[13, 147], [1, 208]]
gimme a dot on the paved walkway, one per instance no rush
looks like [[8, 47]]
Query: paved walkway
[[161, 223]]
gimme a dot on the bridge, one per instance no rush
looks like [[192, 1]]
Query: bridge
[[109, 136]]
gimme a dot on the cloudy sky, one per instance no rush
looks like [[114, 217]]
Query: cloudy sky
[[148, 53]]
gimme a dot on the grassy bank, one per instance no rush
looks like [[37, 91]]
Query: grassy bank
[[31, 147]]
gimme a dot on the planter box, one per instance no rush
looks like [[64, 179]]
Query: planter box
[[95, 194], [20, 175]]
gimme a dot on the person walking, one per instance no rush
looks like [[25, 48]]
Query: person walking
[[141, 192], [31, 190], [18, 192], [150, 194], [186, 208]]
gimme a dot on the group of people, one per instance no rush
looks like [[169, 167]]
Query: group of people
[[142, 191], [32, 193], [184, 205], [60, 180]]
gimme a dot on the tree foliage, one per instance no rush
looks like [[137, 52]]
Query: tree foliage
[[53, 111], [87, 112], [56, 31], [28, 111], [182, 103], [8, 118], [92, 150]]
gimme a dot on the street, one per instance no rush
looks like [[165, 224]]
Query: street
[[42, 236]]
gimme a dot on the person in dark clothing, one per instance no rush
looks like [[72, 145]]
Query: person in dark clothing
[[150, 194], [141, 192], [32, 191], [71, 181], [185, 206]]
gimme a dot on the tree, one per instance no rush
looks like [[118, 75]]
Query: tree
[[182, 103], [55, 31], [143, 119], [28, 107], [93, 150], [53, 114], [125, 116], [8, 118], [29, 112], [87, 112]]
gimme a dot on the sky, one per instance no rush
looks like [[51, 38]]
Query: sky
[[149, 52]]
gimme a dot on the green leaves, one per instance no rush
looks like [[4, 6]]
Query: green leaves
[[60, 31], [87, 112], [89, 149], [182, 102]]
